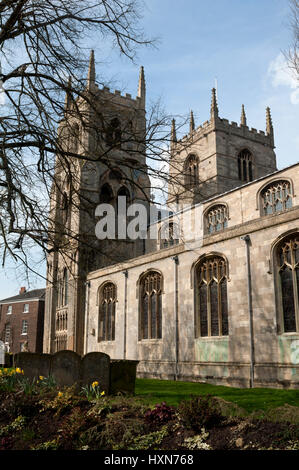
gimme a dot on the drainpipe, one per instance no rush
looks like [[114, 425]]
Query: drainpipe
[[87, 287], [125, 313], [176, 312], [247, 240]]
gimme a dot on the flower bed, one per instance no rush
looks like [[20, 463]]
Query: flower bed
[[39, 415]]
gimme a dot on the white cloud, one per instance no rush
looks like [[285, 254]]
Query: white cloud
[[281, 75]]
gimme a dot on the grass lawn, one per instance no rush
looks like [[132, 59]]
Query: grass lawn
[[251, 399]]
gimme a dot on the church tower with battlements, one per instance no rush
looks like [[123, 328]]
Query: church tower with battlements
[[108, 129], [217, 156]]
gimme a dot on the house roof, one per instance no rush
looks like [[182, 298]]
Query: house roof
[[35, 294]]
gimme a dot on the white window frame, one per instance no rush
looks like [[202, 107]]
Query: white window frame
[[9, 310], [24, 322], [26, 311], [7, 329]]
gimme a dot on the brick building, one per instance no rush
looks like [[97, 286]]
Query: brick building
[[22, 321]]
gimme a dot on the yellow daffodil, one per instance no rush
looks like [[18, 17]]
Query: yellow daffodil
[[60, 394], [102, 393], [41, 377], [94, 384]]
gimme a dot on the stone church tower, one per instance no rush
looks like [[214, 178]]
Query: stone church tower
[[217, 156], [108, 129]]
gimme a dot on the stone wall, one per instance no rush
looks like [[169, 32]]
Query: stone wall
[[219, 360]]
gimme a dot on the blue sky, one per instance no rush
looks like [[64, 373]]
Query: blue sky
[[239, 42]]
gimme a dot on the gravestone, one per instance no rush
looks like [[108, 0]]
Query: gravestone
[[33, 364], [68, 369], [65, 368], [2, 353], [122, 375], [95, 366]]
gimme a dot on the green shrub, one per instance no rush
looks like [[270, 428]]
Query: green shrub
[[199, 412], [63, 401], [198, 442], [49, 445], [160, 414], [149, 440], [17, 425]]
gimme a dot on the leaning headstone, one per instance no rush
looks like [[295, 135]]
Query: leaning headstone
[[95, 366], [65, 368], [33, 364], [8, 360], [2, 353], [122, 375]]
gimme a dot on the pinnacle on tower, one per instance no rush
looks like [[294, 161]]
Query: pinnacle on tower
[[192, 124], [243, 117], [68, 96], [214, 107], [269, 126], [141, 86], [173, 132], [91, 76]]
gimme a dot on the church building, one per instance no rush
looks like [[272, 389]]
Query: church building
[[215, 296]]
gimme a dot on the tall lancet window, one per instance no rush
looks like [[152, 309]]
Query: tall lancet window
[[245, 166], [276, 197], [151, 306], [107, 302], [113, 133], [287, 261], [65, 287], [74, 138], [211, 311], [191, 171], [106, 194]]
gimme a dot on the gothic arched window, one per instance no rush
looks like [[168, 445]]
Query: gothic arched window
[[65, 282], [151, 306], [64, 207], [211, 312], [191, 171], [63, 288], [75, 138], [216, 218], [169, 235], [106, 194], [245, 166], [107, 301], [123, 191], [287, 265], [276, 197], [113, 133]]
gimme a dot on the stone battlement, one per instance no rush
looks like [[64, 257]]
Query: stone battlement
[[124, 98], [227, 126]]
